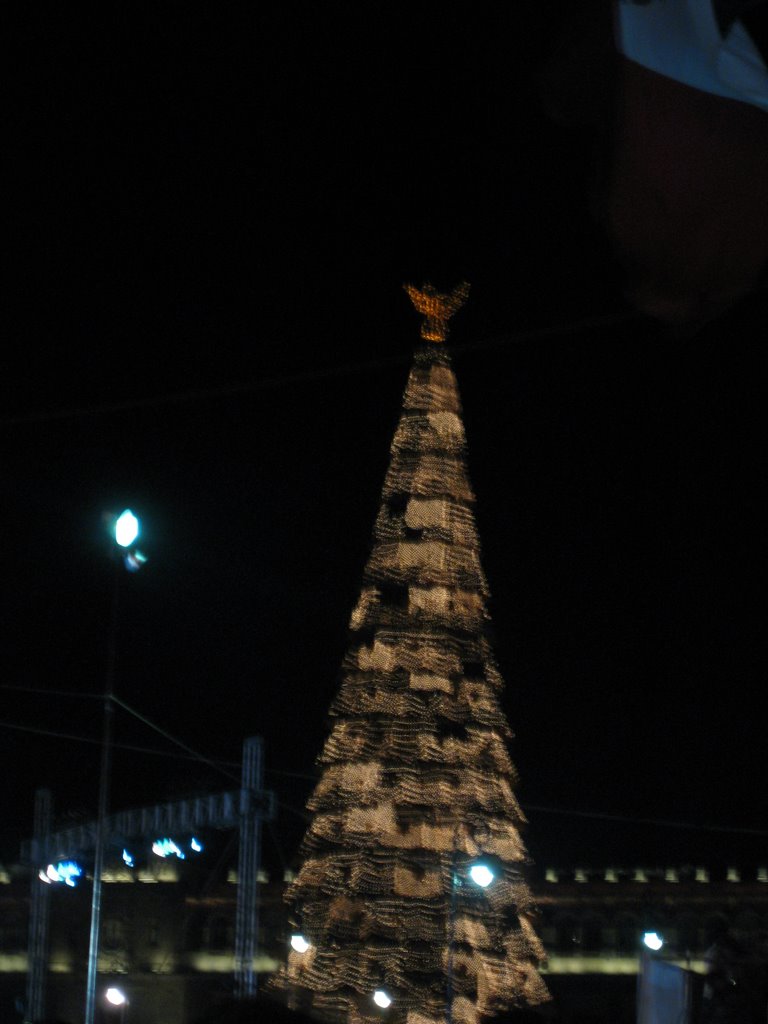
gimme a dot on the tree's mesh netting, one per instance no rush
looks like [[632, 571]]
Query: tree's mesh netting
[[416, 783]]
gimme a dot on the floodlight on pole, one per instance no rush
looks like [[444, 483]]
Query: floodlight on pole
[[653, 941], [481, 875], [126, 528], [116, 997], [125, 532]]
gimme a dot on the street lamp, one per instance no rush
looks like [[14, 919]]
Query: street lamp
[[116, 997], [481, 875], [651, 943], [125, 530], [299, 943]]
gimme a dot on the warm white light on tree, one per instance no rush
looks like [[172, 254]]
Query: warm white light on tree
[[381, 998]]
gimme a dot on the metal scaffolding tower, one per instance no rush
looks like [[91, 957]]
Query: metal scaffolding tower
[[247, 917], [39, 906], [243, 808]]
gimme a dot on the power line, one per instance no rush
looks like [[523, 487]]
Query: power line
[[51, 693], [306, 376], [292, 775], [203, 394], [172, 739], [658, 822], [305, 816], [195, 755], [219, 766], [36, 730]]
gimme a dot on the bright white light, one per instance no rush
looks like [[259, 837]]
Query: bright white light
[[299, 943], [43, 877], [116, 997], [126, 529], [196, 845], [653, 940], [381, 998], [481, 875]]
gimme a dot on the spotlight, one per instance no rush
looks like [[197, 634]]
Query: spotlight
[[481, 875], [115, 996], [126, 529]]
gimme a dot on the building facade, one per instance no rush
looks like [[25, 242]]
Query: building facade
[[170, 943]]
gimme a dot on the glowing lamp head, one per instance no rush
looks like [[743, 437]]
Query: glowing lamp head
[[167, 848], [126, 529], [115, 996], [65, 871], [653, 941], [299, 943], [381, 998], [481, 875]]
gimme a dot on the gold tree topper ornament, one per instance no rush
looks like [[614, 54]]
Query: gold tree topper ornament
[[436, 308]]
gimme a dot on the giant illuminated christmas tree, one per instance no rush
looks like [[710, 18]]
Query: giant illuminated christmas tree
[[411, 902]]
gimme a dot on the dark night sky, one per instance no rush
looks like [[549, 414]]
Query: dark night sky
[[223, 207]]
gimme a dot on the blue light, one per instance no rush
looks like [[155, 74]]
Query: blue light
[[167, 848], [134, 560], [128, 858], [65, 871], [196, 845]]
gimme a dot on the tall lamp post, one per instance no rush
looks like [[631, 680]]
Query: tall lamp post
[[479, 874], [652, 944], [125, 532], [116, 997]]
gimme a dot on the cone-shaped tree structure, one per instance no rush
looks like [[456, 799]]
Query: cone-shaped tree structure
[[416, 784]]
